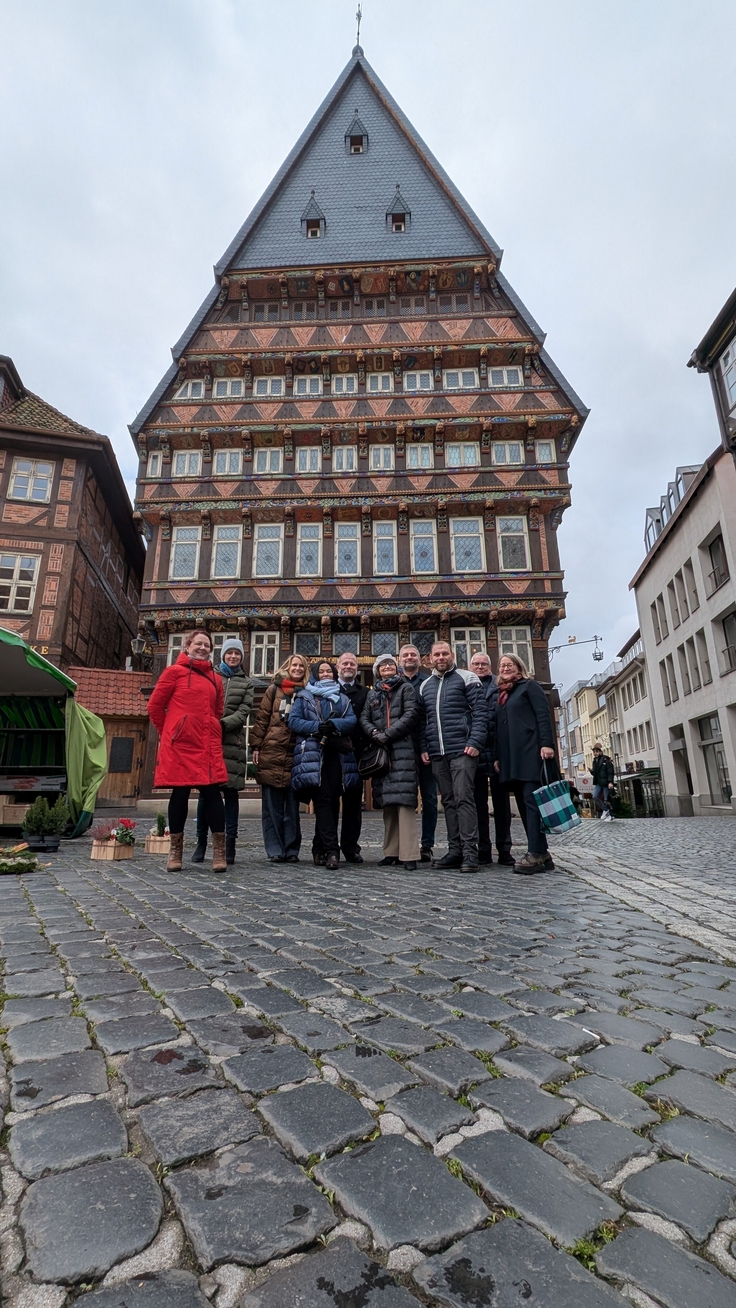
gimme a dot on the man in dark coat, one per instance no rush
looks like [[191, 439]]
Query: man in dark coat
[[480, 664], [454, 730], [411, 666], [603, 773], [352, 800]]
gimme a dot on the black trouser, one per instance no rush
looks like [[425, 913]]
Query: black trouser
[[501, 815], [529, 814], [455, 780], [209, 796], [327, 806], [352, 818], [232, 813]]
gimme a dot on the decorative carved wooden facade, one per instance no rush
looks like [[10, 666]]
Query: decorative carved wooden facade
[[362, 440]]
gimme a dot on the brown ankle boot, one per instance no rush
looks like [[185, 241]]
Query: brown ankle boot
[[176, 853], [219, 861]]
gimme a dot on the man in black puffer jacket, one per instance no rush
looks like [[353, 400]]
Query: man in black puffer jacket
[[454, 730]]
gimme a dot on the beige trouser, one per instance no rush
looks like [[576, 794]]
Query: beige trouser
[[400, 833]]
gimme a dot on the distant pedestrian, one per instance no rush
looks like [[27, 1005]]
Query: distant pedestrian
[[186, 709], [603, 773], [411, 666], [324, 764], [390, 718], [524, 740], [352, 800], [272, 742], [454, 729], [238, 690], [486, 776]]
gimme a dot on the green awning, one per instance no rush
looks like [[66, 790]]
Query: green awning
[[24, 672]]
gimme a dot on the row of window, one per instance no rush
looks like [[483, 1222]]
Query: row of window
[[344, 458], [639, 739], [346, 383], [467, 546], [371, 306], [694, 663], [682, 591]]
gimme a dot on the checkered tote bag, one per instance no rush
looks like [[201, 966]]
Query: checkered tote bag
[[556, 809]]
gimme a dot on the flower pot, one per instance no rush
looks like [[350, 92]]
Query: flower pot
[[158, 844], [109, 850], [51, 843], [33, 841]]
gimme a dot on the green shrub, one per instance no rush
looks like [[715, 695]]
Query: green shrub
[[58, 818], [35, 822], [160, 824]]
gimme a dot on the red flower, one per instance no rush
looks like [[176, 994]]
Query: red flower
[[126, 822]]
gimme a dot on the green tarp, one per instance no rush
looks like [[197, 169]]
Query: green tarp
[[86, 761]]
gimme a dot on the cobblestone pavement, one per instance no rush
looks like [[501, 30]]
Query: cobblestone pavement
[[283, 1088]]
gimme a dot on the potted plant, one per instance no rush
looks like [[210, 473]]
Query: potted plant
[[158, 840], [113, 840], [56, 824], [35, 823]]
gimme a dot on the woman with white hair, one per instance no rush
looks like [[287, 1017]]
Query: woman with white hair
[[390, 718]]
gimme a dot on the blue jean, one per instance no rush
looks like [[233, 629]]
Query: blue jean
[[428, 791], [601, 798], [282, 835]]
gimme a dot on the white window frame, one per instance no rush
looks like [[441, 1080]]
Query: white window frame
[[308, 385], [14, 583], [344, 383], [418, 448], [383, 455], [266, 387], [313, 229], [728, 372], [176, 540], [155, 463], [218, 538], [268, 454], [454, 532], [309, 451], [551, 444], [32, 474], [469, 452], [503, 461], [228, 388], [379, 383], [264, 652], [474, 640], [455, 379], [176, 647], [419, 380], [517, 640], [259, 537], [191, 390], [312, 526], [500, 377], [414, 536], [347, 531], [505, 517], [351, 456], [230, 456], [385, 531], [192, 463]]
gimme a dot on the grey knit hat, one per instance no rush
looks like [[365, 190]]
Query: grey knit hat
[[232, 642], [384, 658]]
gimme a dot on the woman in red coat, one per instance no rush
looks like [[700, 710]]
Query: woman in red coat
[[185, 708]]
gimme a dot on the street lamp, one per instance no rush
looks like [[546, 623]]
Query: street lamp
[[573, 640], [138, 645]]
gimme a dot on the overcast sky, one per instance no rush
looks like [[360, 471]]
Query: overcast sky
[[595, 140]]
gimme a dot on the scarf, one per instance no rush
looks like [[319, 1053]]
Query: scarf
[[325, 689], [390, 683], [506, 685], [226, 671]]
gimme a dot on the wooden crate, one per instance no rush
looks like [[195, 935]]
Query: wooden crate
[[12, 815], [158, 844], [109, 850]]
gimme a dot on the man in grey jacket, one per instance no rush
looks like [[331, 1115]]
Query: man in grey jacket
[[454, 728]]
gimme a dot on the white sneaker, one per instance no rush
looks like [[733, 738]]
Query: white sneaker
[[605, 817]]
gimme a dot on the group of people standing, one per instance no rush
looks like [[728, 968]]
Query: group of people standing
[[456, 732]]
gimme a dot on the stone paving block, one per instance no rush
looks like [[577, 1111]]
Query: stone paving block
[[396, 1034], [518, 1175], [186, 1128], [127, 1206], [365, 985], [506, 1263], [34, 1085], [127, 1033], [229, 1035], [450, 1069], [673, 1002], [603, 1001], [249, 1205], [173, 979], [31, 984], [130, 1005], [522, 1106], [155, 1073], [609, 1098], [60, 1138], [596, 1150], [18, 1012], [316, 1119], [266, 1069], [671, 1023], [302, 984], [48, 1038], [494, 982], [203, 1002], [474, 1003], [660, 1268], [428, 1113], [313, 1032], [342, 1008], [413, 1008], [403, 1193], [99, 985], [533, 1065], [271, 1002], [627, 1066], [707, 1146], [724, 1040], [545, 1001], [371, 1072], [618, 1030], [694, 1058], [429, 987], [698, 1095], [557, 1038], [172, 1289], [471, 1034], [337, 1275], [682, 1194]]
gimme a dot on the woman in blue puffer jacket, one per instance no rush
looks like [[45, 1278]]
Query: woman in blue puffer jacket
[[324, 764]]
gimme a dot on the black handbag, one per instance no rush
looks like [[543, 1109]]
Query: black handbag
[[375, 761]]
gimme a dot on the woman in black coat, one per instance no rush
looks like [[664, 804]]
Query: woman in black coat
[[524, 738], [389, 718]]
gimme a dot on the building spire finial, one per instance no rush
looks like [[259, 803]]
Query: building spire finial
[[358, 49]]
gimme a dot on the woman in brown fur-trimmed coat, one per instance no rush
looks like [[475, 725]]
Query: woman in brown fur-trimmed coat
[[272, 743]]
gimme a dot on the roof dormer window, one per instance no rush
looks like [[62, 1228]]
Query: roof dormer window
[[313, 220], [356, 137], [314, 229], [398, 213]]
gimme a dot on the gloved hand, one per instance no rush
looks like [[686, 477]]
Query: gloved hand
[[328, 728], [380, 737]]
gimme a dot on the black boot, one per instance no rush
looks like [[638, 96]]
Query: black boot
[[230, 849], [200, 848]]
